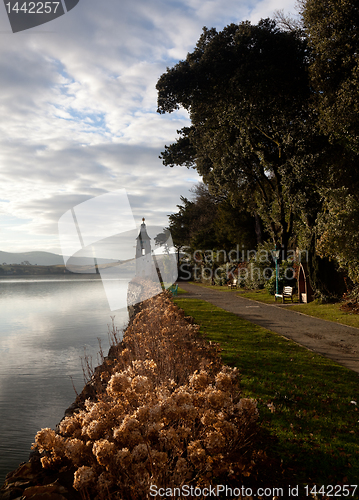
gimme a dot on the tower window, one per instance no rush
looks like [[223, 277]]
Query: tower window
[[143, 251]]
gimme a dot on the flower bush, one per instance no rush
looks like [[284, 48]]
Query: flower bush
[[169, 414]]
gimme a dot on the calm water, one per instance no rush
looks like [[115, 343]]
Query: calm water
[[45, 324]]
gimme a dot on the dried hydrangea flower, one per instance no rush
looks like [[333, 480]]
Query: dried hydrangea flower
[[199, 380], [118, 383], [141, 384], [103, 451], [83, 477], [139, 452], [215, 442]]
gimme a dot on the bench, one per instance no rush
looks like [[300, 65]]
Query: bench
[[286, 294], [174, 289], [233, 284]]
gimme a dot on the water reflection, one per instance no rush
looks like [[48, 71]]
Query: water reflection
[[45, 325]]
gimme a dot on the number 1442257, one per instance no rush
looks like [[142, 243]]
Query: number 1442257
[[338, 490], [33, 7]]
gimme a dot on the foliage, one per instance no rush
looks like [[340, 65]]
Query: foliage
[[307, 402], [286, 277], [338, 227], [221, 276], [332, 28], [251, 277], [351, 298], [274, 118], [161, 419], [253, 135], [210, 222]]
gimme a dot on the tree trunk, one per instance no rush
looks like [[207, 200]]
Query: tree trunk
[[258, 229]]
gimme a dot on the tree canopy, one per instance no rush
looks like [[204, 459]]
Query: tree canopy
[[275, 126], [332, 30], [252, 133], [209, 222]]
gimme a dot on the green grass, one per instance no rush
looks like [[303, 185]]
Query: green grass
[[314, 425], [330, 312], [223, 288], [259, 295]]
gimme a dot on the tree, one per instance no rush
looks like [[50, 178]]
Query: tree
[[338, 230], [210, 231], [252, 133], [332, 28], [211, 222], [235, 226]]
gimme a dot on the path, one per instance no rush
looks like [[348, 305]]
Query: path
[[333, 340]]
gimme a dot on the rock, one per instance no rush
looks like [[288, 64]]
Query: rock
[[54, 491], [25, 472], [11, 493], [31, 481]]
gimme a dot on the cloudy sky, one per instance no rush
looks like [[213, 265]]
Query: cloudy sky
[[78, 109]]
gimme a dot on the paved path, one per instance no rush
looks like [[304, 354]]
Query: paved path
[[333, 340]]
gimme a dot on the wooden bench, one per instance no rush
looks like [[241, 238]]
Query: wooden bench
[[233, 284], [286, 294]]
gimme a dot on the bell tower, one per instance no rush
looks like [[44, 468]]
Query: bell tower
[[143, 253]]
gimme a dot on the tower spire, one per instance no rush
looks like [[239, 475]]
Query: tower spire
[[143, 252]]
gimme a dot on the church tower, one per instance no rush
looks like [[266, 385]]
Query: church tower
[[143, 253]]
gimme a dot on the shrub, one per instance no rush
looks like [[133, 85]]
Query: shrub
[[169, 414], [286, 277]]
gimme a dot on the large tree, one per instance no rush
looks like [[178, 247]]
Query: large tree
[[332, 29], [209, 222], [252, 133]]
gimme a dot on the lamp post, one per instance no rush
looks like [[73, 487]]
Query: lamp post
[[276, 257]]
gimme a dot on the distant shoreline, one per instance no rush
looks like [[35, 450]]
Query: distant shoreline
[[21, 270], [31, 270]]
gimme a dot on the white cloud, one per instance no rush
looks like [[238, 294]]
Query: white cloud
[[266, 8], [78, 109]]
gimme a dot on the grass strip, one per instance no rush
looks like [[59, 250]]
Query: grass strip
[[329, 312], [306, 402]]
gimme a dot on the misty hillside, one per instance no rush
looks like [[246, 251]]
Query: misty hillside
[[43, 259]]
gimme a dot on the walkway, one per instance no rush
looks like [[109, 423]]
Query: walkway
[[333, 340]]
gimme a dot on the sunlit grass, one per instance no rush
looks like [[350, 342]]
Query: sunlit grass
[[329, 312], [306, 401]]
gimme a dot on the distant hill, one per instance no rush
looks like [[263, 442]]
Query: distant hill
[[43, 259], [39, 258]]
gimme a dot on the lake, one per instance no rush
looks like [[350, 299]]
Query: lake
[[46, 323]]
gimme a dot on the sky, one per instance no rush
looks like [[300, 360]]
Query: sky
[[78, 110]]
